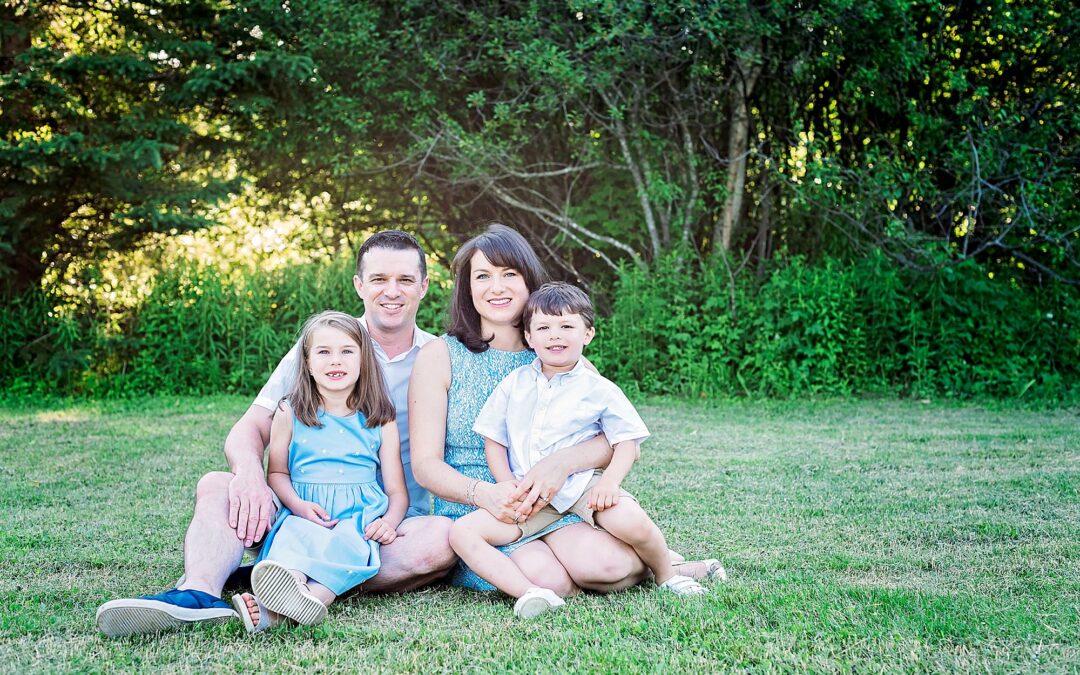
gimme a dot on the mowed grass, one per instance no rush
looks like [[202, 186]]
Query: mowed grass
[[866, 536]]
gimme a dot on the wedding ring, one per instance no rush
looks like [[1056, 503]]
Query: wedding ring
[[542, 499]]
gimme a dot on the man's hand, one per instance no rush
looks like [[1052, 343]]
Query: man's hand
[[536, 489], [251, 507], [604, 495], [497, 500], [315, 513], [379, 530]]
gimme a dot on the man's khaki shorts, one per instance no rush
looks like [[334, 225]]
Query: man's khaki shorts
[[548, 515]]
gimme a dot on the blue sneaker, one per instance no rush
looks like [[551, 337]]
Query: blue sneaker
[[155, 613]]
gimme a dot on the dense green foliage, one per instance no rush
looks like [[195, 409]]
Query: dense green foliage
[[877, 196], [838, 328], [199, 330], [610, 132], [677, 328]]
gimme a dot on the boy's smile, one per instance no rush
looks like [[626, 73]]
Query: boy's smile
[[558, 340]]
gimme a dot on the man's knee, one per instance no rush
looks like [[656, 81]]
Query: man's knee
[[213, 485], [430, 551]]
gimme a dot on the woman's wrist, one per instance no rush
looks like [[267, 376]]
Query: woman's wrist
[[470, 492]]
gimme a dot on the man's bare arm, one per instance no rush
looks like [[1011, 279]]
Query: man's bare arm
[[251, 502]]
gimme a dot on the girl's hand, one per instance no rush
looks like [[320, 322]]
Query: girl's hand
[[316, 514], [496, 499], [379, 530], [604, 495]]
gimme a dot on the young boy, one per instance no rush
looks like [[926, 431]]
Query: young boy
[[553, 403]]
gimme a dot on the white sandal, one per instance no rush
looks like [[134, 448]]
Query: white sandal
[[680, 585], [265, 621], [279, 591]]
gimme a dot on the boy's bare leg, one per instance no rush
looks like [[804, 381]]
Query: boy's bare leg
[[628, 522], [419, 555], [474, 538]]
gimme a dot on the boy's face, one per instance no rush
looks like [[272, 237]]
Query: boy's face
[[558, 340]]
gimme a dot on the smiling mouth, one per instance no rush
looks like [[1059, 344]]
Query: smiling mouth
[[499, 302], [557, 348], [336, 374], [392, 307]]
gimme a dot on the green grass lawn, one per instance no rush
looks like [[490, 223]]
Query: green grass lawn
[[868, 535]]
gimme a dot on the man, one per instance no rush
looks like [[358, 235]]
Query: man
[[234, 510]]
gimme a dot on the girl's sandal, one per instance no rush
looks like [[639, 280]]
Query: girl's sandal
[[281, 592], [680, 585], [266, 622]]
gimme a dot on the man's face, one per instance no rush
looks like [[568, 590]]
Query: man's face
[[391, 288]]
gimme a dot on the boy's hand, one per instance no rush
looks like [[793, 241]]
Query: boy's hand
[[379, 530], [316, 514], [604, 495]]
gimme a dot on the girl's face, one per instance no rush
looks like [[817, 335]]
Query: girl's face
[[333, 359], [498, 293]]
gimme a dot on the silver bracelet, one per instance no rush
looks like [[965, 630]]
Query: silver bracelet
[[470, 493]]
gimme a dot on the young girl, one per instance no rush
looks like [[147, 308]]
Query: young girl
[[329, 438]]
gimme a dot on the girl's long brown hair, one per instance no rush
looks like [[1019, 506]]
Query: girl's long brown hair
[[369, 394]]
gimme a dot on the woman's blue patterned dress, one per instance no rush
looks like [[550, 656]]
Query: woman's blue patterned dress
[[472, 379]]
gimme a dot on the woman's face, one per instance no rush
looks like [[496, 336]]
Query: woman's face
[[498, 293]]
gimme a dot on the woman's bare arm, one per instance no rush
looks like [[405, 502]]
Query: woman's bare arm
[[428, 390]]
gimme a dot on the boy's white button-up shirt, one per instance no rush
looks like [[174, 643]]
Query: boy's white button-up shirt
[[396, 373], [534, 416]]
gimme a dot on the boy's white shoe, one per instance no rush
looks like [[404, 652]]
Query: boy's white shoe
[[536, 601], [680, 585]]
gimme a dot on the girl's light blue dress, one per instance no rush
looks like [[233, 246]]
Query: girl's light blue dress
[[472, 379], [334, 467]]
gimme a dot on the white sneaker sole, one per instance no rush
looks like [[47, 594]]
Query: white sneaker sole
[[279, 591], [532, 607], [118, 618]]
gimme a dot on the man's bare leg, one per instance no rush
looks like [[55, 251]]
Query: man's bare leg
[[211, 552], [211, 549], [419, 555]]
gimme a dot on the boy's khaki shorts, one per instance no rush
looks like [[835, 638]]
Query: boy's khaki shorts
[[548, 515]]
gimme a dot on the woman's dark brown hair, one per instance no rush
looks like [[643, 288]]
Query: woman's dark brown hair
[[368, 395], [503, 247]]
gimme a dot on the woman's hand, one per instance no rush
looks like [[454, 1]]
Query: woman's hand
[[379, 530], [497, 499], [315, 513], [536, 489]]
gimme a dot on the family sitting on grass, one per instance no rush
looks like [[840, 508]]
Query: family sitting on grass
[[521, 442]]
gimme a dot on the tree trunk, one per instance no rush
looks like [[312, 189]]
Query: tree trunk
[[738, 145]]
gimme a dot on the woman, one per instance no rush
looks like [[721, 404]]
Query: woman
[[494, 274]]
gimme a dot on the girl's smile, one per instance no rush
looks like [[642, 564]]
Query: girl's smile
[[334, 359]]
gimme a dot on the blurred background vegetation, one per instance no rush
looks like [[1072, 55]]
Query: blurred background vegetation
[[765, 198]]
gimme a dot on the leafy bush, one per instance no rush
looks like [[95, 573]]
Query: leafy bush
[[679, 327], [836, 328]]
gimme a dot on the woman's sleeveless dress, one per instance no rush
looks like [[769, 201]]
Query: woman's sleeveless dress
[[472, 379], [334, 467]]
